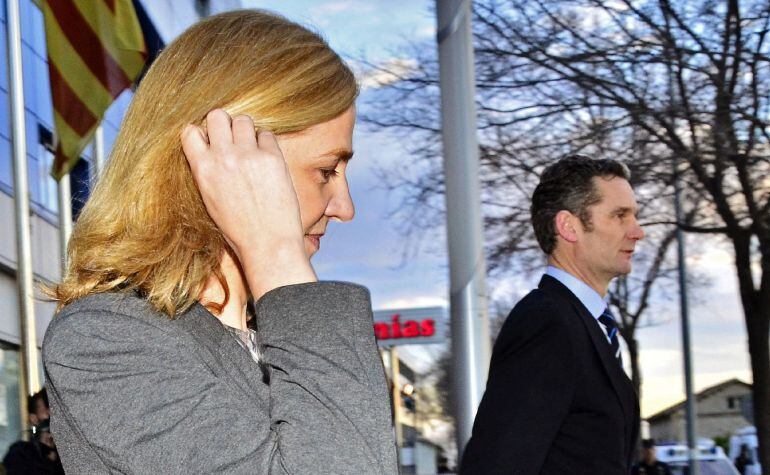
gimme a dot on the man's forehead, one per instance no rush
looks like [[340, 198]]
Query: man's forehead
[[615, 191]]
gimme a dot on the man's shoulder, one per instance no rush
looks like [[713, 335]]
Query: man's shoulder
[[538, 312], [542, 304]]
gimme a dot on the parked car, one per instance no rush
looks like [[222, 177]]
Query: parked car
[[711, 458]]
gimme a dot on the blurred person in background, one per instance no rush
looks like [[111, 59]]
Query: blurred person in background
[[743, 461], [228, 168], [557, 399], [38, 456], [650, 465]]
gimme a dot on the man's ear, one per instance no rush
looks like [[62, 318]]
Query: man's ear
[[566, 224], [33, 419]]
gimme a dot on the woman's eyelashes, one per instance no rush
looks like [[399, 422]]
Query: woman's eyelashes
[[328, 173]]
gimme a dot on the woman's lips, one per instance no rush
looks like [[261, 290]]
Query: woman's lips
[[315, 239]]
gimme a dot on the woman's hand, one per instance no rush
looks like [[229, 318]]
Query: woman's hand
[[247, 190]]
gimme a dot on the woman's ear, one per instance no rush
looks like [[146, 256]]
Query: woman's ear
[[566, 223]]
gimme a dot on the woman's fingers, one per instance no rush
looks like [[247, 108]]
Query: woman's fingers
[[194, 142], [219, 129], [269, 143], [246, 187], [243, 130]]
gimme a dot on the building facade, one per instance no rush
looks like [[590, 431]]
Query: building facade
[[169, 18], [721, 410]]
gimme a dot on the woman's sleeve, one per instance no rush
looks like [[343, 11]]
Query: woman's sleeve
[[329, 403]]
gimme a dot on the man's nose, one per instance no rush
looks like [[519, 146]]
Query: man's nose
[[637, 233]]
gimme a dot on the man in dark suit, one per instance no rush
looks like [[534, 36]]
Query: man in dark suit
[[557, 400]]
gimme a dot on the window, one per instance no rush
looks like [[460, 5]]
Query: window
[[10, 418], [79, 176], [79, 187], [45, 194]]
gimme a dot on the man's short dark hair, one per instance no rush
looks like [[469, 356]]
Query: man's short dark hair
[[648, 443], [568, 185], [38, 396]]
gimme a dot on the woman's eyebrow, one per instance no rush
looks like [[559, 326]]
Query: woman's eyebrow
[[342, 154]]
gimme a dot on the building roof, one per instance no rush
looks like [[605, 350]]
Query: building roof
[[702, 394]]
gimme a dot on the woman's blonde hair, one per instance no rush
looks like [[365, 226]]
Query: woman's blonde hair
[[145, 227]]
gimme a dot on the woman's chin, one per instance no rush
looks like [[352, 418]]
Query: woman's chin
[[312, 245]]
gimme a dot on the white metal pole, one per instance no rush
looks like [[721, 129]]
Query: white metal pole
[[98, 152], [395, 369], [470, 333], [65, 219], [29, 382]]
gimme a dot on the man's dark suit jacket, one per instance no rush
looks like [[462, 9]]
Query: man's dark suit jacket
[[557, 401]]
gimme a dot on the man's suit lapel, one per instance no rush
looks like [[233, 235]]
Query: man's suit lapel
[[618, 378], [220, 351]]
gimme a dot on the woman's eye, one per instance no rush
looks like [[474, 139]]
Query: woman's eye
[[327, 173]]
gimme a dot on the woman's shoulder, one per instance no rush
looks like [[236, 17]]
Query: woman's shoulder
[[99, 318], [127, 307], [129, 304]]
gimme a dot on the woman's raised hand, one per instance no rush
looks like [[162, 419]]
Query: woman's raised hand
[[246, 187]]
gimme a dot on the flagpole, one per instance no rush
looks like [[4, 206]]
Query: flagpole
[[98, 162], [29, 381], [65, 219]]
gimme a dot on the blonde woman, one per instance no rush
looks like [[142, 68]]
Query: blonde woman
[[150, 365]]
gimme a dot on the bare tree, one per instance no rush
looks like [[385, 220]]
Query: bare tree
[[669, 88]]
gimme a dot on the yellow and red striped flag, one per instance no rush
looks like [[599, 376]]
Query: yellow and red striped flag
[[96, 49]]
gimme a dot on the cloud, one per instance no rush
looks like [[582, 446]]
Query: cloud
[[428, 31], [385, 73], [416, 301], [342, 6]]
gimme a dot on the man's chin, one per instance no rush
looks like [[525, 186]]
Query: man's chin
[[624, 270]]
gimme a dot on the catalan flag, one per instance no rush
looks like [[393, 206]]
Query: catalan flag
[[96, 50]]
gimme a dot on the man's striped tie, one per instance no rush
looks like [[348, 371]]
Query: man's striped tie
[[609, 322]]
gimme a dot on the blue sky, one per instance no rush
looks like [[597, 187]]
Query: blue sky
[[352, 27], [368, 250]]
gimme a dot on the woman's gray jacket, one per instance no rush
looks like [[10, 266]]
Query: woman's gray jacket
[[132, 391]]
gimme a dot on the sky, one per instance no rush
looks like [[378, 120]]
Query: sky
[[369, 250]]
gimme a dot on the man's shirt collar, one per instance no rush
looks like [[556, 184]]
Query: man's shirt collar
[[590, 298]]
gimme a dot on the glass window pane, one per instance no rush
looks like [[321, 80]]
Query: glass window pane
[[6, 165], [26, 9], [38, 31], [33, 169], [33, 135], [4, 56], [43, 89], [49, 197], [5, 112], [10, 423], [79, 186], [28, 72]]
